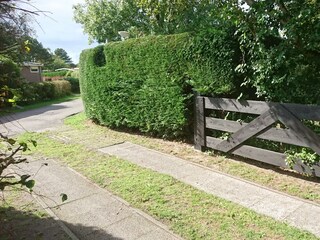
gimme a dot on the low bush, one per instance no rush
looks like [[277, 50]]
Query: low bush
[[28, 93], [61, 88], [9, 72], [75, 73], [75, 88]]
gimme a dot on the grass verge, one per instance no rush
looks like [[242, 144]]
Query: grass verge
[[189, 212], [39, 104], [94, 136]]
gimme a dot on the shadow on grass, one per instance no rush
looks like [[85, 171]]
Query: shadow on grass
[[16, 224]]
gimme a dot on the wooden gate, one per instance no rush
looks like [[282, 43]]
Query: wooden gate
[[262, 127]]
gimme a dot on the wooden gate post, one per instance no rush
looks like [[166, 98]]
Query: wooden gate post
[[199, 126]]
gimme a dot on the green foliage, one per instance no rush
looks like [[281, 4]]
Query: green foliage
[[55, 74], [61, 88], [62, 54], [57, 63], [147, 83], [9, 71], [75, 74], [307, 156], [10, 155], [75, 88], [280, 46], [28, 93], [102, 20], [37, 53], [279, 40]]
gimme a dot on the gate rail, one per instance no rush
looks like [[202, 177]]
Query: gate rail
[[262, 127]]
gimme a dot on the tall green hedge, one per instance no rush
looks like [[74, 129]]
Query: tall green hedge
[[148, 83]]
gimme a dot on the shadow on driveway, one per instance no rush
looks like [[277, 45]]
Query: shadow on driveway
[[5, 117], [16, 224]]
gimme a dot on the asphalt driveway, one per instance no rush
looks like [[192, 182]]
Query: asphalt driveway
[[40, 119]]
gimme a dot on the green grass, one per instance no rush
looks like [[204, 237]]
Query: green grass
[[39, 104], [189, 212], [94, 136]]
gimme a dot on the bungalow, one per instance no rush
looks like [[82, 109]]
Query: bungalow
[[31, 71]]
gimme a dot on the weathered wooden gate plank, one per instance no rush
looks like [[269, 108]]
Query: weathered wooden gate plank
[[289, 114], [308, 112], [225, 104], [272, 134], [199, 131], [259, 154], [264, 121], [266, 156]]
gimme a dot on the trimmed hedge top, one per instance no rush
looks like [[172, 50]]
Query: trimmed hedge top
[[147, 83]]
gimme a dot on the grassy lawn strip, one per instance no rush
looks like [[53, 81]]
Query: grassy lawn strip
[[40, 104], [94, 136], [189, 212]]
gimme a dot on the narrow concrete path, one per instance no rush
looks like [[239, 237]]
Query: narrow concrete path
[[296, 212], [90, 211], [41, 119]]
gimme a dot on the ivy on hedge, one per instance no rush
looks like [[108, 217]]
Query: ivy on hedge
[[147, 83]]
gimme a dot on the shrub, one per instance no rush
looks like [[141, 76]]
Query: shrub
[[75, 74], [147, 83], [9, 72], [28, 93], [75, 88], [61, 88]]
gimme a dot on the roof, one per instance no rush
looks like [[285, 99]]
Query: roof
[[32, 64]]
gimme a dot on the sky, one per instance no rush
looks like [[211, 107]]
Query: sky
[[58, 29]]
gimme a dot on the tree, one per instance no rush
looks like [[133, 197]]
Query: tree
[[63, 55], [102, 20], [57, 63], [168, 17], [37, 52], [14, 26], [280, 42]]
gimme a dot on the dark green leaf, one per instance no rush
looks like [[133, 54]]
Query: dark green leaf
[[64, 197], [30, 184]]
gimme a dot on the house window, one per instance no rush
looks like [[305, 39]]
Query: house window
[[34, 69]]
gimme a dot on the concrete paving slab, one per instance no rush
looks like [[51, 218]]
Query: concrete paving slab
[[90, 211], [277, 205], [260, 199], [51, 181], [132, 227], [247, 200], [154, 235], [308, 216], [110, 212]]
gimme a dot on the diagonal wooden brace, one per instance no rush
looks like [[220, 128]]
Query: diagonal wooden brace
[[261, 123], [299, 129]]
